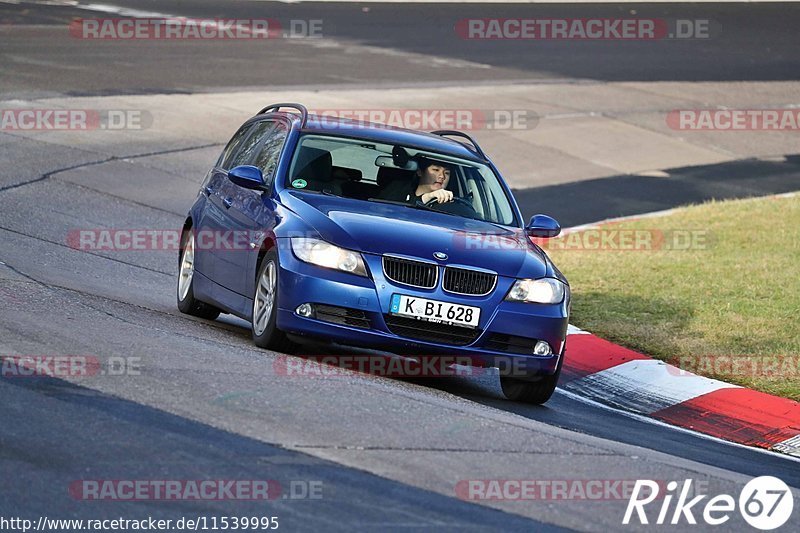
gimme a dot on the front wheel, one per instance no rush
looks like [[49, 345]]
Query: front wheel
[[535, 392], [186, 300], [265, 307]]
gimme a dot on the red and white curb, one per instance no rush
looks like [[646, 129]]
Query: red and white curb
[[611, 375]]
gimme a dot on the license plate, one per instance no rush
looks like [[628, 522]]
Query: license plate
[[435, 311]]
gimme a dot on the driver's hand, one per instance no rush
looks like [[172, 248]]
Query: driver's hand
[[442, 196]]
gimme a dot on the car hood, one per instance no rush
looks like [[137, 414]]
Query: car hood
[[379, 228]]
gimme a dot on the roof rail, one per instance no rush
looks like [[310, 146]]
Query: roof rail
[[455, 133], [299, 107]]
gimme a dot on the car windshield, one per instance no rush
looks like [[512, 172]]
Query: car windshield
[[370, 171]]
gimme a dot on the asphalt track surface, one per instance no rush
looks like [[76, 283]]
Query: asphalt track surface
[[628, 195], [206, 404], [748, 42]]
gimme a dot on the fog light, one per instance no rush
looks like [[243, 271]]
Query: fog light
[[305, 310], [542, 348]]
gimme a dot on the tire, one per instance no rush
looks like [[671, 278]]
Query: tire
[[186, 301], [265, 307], [535, 392]]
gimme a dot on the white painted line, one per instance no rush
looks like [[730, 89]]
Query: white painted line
[[572, 330], [118, 10], [644, 386], [648, 420], [427, 60], [789, 446]]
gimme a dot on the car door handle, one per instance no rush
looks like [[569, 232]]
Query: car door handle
[[227, 202]]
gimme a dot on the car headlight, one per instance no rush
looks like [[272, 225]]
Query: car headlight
[[320, 253], [540, 291]]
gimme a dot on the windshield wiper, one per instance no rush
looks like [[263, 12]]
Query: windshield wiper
[[416, 205], [391, 202], [324, 191]]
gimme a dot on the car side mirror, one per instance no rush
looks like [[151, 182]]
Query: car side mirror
[[247, 176], [543, 226]]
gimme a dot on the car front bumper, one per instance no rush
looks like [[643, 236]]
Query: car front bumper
[[369, 297]]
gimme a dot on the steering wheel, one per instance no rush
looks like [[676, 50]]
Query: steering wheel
[[459, 206], [456, 199]]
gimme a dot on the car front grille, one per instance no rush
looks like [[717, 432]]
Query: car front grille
[[469, 282], [408, 272], [500, 342], [342, 315], [431, 331]]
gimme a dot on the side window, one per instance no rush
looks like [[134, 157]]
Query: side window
[[244, 154], [267, 159], [236, 140]]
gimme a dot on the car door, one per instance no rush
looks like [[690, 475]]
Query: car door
[[211, 218], [252, 213], [224, 230]]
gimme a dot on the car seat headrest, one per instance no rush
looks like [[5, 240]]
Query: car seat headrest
[[315, 164], [389, 174], [348, 174]]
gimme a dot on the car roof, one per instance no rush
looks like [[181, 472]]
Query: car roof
[[344, 127]]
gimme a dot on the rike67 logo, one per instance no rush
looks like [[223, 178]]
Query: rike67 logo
[[765, 503]]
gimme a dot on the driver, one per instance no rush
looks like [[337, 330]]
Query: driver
[[432, 180], [429, 183]]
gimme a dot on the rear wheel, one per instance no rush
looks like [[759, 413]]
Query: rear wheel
[[265, 307], [535, 392], [186, 300]]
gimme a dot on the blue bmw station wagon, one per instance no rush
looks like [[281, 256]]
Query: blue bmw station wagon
[[313, 227]]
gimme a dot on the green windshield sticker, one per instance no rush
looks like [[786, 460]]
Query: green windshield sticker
[[299, 183]]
